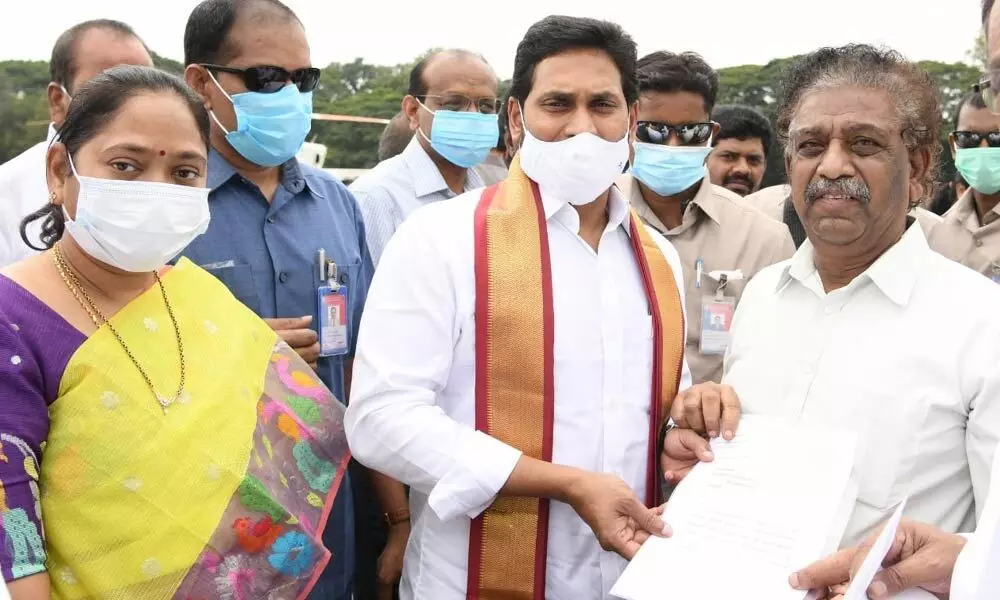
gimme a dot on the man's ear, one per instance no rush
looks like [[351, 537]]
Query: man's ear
[[920, 164], [411, 108], [58, 101], [198, 79]]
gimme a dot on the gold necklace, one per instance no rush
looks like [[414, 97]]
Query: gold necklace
[[81, 295]]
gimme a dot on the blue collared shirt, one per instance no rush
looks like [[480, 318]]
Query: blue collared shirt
[[267, 255]]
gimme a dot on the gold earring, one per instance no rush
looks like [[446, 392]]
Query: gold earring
[[52, 197]]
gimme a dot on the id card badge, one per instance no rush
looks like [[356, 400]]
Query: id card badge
[[333, 338], [995, 273], [716, 319]]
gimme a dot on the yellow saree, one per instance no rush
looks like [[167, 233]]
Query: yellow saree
[[223, 496]]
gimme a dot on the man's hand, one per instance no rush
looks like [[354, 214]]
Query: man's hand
[[682, 450], [296, 333], [705, 408], [619, 520], [390, 563], [921, 556]]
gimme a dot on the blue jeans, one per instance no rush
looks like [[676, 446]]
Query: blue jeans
[[337, 580]]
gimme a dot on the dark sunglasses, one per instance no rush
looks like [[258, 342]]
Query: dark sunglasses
[[267, 79], [691, 134], [973, 139]]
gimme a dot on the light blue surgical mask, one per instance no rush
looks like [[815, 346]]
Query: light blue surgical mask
[[270, 128], [669, 170], [462, 138], [980, 167]]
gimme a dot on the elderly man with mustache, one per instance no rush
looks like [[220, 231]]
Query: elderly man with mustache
[[866, 328]]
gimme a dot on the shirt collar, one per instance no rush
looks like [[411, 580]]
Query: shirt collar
[[51, 135], [895, 273], [427, 178], [704, 199], [562, 211], [967, 214], [220, 172]]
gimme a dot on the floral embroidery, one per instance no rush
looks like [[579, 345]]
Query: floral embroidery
[[213, 472], [210, 561], [256, 536], [15, 360], [110, 400], [267, 446], [272, 406], [292, 554], [211, 328], [299, 382], [24, 541], [255, 497], [184, 397], [306, 409], [235, 579], [150, 324], [314, 500], [133, 484], [66, 576], [151, 568], [319, 473], [287, 426]]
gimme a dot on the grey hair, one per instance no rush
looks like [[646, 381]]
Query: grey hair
[[915, 96]]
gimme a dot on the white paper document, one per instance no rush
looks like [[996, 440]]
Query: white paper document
[[760, 511], [858, 590]]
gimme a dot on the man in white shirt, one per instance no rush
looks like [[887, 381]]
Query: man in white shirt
[[521, 346], [79, 54], [451, 106], [865, 327]]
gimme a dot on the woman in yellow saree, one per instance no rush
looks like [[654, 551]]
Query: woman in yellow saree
[[157, 440]]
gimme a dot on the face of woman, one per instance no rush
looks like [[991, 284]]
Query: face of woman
[[153, 138]]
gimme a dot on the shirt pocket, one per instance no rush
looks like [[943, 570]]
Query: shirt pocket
[[350, 275], [239, 279], [638, 361], [889, 444]]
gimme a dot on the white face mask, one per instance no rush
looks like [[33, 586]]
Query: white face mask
[[136, 226], [576, 170]]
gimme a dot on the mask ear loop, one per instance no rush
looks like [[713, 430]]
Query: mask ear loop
[[419, 130], [228, 97]]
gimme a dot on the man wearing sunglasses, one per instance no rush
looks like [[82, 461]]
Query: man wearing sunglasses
[[970, 232], [721, 239], [451, 106], [274, 218]]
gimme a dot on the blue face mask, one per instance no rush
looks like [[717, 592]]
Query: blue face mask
[[270, 128], [463, 138], [980, 167], [669, 170]]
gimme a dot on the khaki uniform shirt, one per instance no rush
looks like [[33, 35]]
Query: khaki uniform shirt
[[962, 238], [727, 234]]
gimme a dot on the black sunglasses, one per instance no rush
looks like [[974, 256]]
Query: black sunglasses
[[973, 139], [268, 79], [691, 134]]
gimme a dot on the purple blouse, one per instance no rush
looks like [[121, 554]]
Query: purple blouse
[[36, 344]]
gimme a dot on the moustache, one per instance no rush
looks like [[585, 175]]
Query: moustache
[[845, 188], [737, 177]]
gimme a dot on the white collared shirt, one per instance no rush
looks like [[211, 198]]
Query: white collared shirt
[[907, 355], [412, 410], [976, 576], [398, 186], [23, 190]]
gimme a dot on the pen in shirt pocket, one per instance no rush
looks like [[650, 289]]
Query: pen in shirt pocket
[[699, 267]]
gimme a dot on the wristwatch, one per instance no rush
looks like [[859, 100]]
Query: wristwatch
[[397, 516]]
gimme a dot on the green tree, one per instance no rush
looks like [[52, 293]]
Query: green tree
[[979, 55]]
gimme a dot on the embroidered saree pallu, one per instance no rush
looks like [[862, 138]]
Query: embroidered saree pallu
[[224, 495], [515, 368]]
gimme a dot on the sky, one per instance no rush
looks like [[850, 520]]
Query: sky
[[725, 32]]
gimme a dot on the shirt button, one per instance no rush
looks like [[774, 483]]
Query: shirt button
[[271, 219], [283, 277]]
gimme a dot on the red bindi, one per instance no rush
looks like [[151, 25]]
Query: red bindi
[[163, 152]]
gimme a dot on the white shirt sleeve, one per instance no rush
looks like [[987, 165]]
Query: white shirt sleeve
[[983, 430], [405, 351]]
